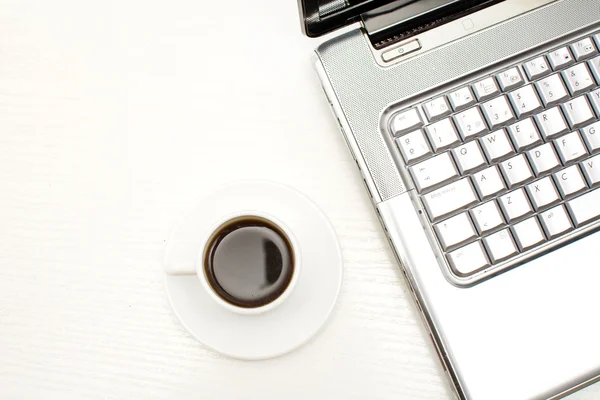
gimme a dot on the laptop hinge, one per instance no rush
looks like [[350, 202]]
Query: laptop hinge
[[397, 21]]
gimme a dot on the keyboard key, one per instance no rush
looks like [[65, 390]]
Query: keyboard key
[[488, 182], [468, 157], [594, 65], [406, 121], [470, 123], [591, 170], [583, 49], [525, 101], [536, 68], [510, 79], [448, 199], [468, 259], [442, 134], [543, 193], [585, 208], [455, 231], [552, 90], [578, 112], [570, 147], [496, 146], [413, 146], [433, 172], [487, 217], [486, 88], [500, 246], [591, 137], [594, 98], [578, 79], [515, 205], [551, 123], [524, 134], [570, 182], [560, 58], [555, 222], [461, 98], [516, 171], [498, 112], [528, 234], [436, 108], [543, 159]]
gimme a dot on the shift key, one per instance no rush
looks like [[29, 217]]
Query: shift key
[[448, 199]]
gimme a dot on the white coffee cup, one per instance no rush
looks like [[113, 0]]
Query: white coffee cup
[[201, 259]]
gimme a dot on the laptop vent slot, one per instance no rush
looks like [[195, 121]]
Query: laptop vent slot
[[388, 25]]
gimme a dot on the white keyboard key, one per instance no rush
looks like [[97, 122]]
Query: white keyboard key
[[488, 182], [433, 172], [578, 112], [597, 39], [486, 88], [524, 134], [468, 259], [594, 65], [560, 58], [591, 137], [583, 49], [543, 193], [543, 159], [448, 199], [461, 98], [536, 68], [551, 123], [570, 147], [442, 134], [516, 171], [570, 182], [591, 170], [496, 145], [470, 123], [515, 205], [500, 246], [498, 112], [555, 222], [413, 146], [436, 108], [578, 79], [510, 79], [585, 208], [468, 157], [525, 101], [487, 217], [406, 121], [528, 234], [552, 90], [594, 98], [455, 231]]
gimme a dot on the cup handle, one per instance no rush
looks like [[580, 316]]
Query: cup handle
[[180, 258]]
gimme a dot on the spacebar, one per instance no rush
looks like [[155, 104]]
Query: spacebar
[[585, 208]]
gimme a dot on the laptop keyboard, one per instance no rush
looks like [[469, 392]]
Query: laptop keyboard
[[510, 162]]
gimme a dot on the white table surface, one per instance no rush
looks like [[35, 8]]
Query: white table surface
[[115, 117]]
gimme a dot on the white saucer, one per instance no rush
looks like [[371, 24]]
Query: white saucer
[[295, 320]]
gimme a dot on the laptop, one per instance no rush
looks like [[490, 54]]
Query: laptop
[[475, 126]]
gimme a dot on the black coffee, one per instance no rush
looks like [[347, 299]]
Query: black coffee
[[249, 262]]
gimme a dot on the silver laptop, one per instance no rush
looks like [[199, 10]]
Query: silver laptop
[[475, 125]]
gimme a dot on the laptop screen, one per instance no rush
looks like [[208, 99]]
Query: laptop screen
[[323, 16]]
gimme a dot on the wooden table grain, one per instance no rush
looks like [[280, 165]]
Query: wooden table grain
[[115, 118]]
